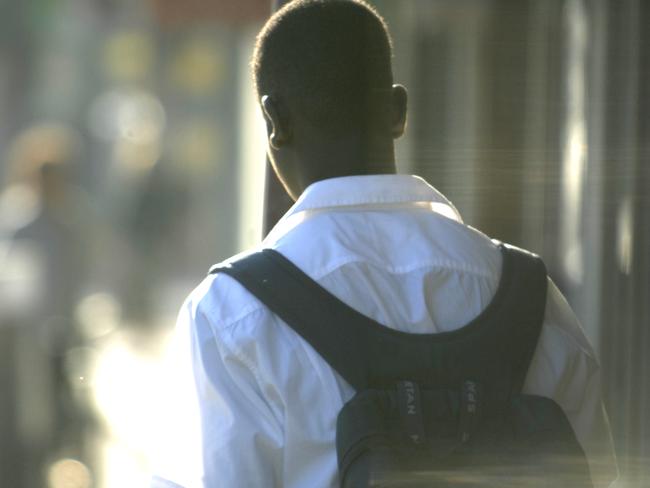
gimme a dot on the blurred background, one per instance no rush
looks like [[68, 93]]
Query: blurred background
[[132, 158]]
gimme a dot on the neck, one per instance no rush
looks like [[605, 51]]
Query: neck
[[347, 157], [336, 165]]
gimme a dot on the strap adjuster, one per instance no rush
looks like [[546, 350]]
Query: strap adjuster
[[470, 410], [410, 407]]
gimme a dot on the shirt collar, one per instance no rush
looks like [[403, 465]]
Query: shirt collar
[[365, 191]]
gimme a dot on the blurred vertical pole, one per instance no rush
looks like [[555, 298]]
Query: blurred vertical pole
[[624, 306], [641, 247], [502, 125], [276, 199], [17, 44]]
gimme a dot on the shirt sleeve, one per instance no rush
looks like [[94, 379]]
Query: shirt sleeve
[[565, 368], [241, 439]]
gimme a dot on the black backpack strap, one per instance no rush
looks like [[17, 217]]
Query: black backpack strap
[[366, 353], [303, 304], [529, 273]]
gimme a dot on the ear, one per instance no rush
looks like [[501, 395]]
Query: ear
[[399, 102], [277, 122]]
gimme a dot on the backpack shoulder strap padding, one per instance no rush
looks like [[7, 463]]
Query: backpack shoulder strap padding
[[496, 346]]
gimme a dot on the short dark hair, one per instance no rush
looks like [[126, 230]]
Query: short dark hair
[[329, 60]]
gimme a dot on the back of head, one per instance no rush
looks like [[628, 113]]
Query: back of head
[[328, 61]]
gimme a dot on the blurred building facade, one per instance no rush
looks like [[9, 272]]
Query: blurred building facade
[[532, 117]]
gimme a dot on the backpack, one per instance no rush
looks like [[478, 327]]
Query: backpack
[[432, 410]]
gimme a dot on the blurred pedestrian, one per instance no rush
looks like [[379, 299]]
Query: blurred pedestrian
[[43, 272]]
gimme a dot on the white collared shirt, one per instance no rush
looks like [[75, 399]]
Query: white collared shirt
[[396, 250]]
